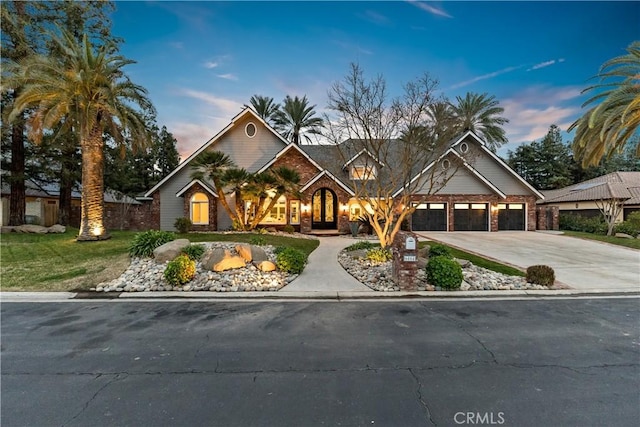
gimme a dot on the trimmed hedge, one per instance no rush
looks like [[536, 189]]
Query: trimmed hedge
[[541, 275], [444, 272]]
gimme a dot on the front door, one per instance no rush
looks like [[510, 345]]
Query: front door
[[325, 209]]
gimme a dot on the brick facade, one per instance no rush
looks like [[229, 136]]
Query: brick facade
[[295, 160], [548, 217], [117, 216], [343, 199]]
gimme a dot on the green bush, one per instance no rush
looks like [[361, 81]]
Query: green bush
[[439, 250], [379, 255], [573, 222], [288, 229], [634, 219], [183, 225], [144, 243], [541, 275], [627, 227], [291, 260], [180, 270], [257, 240], [194, 251], [444, 272], [363, 244]]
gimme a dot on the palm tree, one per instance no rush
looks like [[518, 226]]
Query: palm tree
[[271, 185], [235, 179], [607, 127], [264, 106], [214, 165], [482, 115], [295, 117], [86, 91]]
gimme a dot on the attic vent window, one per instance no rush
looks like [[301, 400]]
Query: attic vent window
[[464, 147], [446, 164], [250, 129]]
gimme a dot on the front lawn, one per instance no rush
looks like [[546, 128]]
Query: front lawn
[[56, 262], [629, 243]]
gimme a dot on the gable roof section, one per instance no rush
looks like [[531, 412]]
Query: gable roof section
[[616, 185], [330, 176], [497, 160], [192, 183], [238, 117], [364, 150], [470, 168], [286, 149]]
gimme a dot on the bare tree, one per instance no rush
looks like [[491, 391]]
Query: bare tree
[[395, 149], [610, 209]]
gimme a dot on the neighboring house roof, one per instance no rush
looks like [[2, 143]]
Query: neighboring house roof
[[617, 185], [245, 111], [35, 188]]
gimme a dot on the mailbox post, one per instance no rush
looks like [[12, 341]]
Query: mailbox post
[[405, 260]]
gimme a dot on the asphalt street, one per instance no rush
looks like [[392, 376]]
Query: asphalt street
[[561, 362]]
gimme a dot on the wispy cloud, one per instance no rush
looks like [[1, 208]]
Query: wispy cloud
[[223, 107], [191, 136], [210, 64], [486, 76], [546, 64], [434, 10], [353, 47], [228, 76], [375, 18]]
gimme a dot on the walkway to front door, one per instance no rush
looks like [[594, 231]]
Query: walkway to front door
[[324, 273]]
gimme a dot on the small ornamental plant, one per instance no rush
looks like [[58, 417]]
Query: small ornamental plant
[[439, 250], [257, 240], [180, 270], [379, 255], [541, 275], [291, 260], [363, 244], [194, 251], [288, 229], [444, 272], [144, 243], [183, 225]]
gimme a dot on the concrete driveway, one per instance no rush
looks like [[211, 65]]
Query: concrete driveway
[[578, 263]]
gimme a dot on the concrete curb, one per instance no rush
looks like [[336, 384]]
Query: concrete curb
[[320, 295]]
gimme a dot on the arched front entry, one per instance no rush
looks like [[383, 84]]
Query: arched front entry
[[324, 210]]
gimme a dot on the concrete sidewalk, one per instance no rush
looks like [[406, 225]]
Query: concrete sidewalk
[[323, 273]]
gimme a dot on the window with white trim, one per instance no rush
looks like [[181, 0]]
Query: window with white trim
[[294, 212], [250, 129], [199, 209], [363, 172], [278, 213]]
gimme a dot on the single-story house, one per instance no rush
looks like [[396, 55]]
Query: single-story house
[[42, 201], [484, 195], [583, 198]]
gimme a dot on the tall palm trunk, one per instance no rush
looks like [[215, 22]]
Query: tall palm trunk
[[17, 203], [92, 214]]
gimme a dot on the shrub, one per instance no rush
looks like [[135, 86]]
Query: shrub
[[291, 260], [573, 222], [627, 227], [288, 229], [379, 255], [439, 250], [363, 244], [144, 243], [444, 272], [634, 219], [194, 252], [183, 225], [257, 240], [180, 270], [541, 275]]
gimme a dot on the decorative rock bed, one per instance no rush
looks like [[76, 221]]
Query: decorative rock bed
[[378, 276], [144, 275]]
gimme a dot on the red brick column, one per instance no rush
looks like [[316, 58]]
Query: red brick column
[[405, 260]]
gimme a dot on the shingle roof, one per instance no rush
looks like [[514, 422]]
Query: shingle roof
[[616, 185], [45, 189]]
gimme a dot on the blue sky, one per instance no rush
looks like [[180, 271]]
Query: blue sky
[[201, 61]]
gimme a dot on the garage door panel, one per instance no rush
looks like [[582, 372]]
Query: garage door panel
[[511, 216], [471, 217], [430, 217]]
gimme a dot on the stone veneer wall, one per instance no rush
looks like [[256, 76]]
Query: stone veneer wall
[[548, 217], [145, 216], [213, 208]]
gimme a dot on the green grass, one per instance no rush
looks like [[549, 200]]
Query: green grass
[[57, 262], [481, 262], [629, 243]]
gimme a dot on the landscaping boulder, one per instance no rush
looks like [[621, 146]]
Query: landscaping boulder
[[213, 257], [245, 252], [266, 266], [624, 236], [258, 254], [358, 253], [463, 262], [170, 250], [56, 228], [31, 228], [422, 263], [229, 262]]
